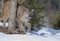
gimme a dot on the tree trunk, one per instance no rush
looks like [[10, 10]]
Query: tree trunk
[[48, 12], [1, 7], [59, 5], [48, 7], [12, 16]]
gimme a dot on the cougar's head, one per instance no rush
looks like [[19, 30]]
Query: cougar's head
[[30, 13]]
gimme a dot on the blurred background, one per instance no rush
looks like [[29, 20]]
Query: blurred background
[[46, 12]]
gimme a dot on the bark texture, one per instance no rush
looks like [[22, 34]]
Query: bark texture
[[12, 16]]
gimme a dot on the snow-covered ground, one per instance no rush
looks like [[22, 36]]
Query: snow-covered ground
[[41, 34]]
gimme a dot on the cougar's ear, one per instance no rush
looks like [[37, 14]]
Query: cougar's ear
[[32, 12]]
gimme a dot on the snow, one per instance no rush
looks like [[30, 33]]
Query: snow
[[41, 34], [26, 37], [1, 24]]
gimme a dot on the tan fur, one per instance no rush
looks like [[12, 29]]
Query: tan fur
[[23, 17], [6, 13]]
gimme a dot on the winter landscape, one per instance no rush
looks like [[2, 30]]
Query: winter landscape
[[29, 20], [43, 34]]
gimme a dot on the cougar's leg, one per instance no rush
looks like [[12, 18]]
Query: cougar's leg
[[4, 22], [21, 27], [28, 26], [4, 25]]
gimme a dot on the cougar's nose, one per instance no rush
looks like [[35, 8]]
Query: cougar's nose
[[30, 16]]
